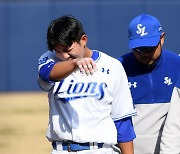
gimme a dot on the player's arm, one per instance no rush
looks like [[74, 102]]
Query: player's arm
[[126, 147], [56, 71], [125, 135], [62, 69]]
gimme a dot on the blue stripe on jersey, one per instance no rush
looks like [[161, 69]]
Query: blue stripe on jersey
[[125, 130], [45, 71]]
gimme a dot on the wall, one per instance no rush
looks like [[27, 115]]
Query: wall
[[24, 24]]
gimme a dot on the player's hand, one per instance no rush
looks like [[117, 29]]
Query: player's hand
[[86, 65]]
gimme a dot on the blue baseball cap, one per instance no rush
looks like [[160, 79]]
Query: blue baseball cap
[[144, 30]]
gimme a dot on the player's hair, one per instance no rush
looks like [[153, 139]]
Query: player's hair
[[64, 31]]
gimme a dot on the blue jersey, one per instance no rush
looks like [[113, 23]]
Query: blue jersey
[[151, 88], [152, 84]]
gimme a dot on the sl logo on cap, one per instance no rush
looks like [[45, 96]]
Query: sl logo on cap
[[141, 30]]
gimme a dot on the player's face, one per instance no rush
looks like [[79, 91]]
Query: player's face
[[76, 50], [149, 55]]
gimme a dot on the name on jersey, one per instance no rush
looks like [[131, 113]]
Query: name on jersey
[[76, 90]]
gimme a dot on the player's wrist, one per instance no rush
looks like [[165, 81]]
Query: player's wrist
[[75, 64]]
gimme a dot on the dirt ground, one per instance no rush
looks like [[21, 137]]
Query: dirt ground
[[23, 123]]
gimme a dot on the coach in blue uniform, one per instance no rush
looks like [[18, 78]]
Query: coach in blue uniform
[[152, 73]]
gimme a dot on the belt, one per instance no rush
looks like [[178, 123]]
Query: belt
[[71, 146]]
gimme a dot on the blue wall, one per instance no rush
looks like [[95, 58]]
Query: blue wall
[[23, 28]]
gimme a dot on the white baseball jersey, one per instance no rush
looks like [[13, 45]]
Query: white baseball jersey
[[83, 108]]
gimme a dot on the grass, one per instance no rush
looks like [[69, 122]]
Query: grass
[[23, 123]]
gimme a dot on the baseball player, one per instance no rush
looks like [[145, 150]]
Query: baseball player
[[90, 102]]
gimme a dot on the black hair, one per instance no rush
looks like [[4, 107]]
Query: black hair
[[64, 31]]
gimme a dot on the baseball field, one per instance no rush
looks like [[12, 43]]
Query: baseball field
[[23, 123]]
